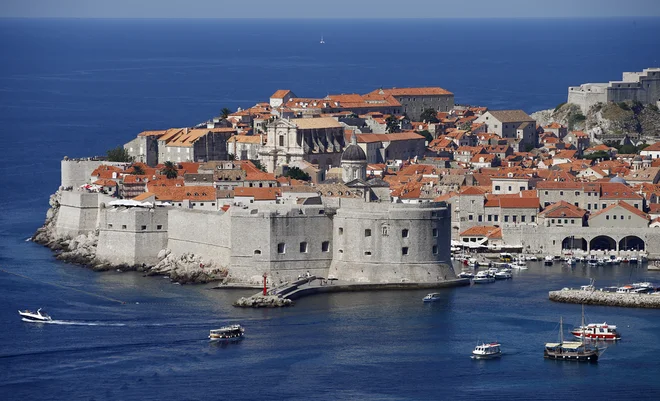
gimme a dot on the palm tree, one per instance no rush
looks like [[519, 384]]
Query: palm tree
[[170, 170], [137, 169], [225, 112]]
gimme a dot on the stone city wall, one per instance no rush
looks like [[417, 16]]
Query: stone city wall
[[202, 233], [78, 213]]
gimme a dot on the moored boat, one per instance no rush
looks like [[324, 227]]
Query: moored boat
[[38, 316], [487, 351], [570, 350], [466, 274], [503, 275], [227, 333], [548, 260], [483, 277]]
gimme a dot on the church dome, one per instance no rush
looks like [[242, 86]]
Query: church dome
[[618, 180], [353, 153]]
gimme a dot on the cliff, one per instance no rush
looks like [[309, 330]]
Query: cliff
[[609, 121]]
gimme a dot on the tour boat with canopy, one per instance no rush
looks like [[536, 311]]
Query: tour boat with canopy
[[570, 350], [228, 333], [487, 351]]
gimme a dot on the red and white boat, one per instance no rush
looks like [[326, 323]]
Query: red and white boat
[[596, 331]]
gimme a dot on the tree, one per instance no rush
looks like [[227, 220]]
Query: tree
[[601, 154], [170, 170], [258, 165], [225, 112], [231, 156], [426, 135], [137, 170], [429, 115], [119, 154], [392, 124], [297, 174]]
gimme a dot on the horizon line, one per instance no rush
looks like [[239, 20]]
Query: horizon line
[[332, 18]]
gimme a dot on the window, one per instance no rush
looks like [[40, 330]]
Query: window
[[565, 221], [561, 193], [281, 140], [257, 252], [143, 228], [470, 217], [588, 206], [509, 187], [506, 218], [480, 218], [604, 205], [607, 217], [522, 218], [404, 250], [123, 226], [281, 247], [404, 233], [325, 246], [621, 217], [533, 219], [546, 192], [109, 225], [321, 211], [201, 204], [497, 187], [367, 253], [552, 221], [636, 205], [367, 232], [303, 247], [490, 217], [497, 217], [515, 218], [572, 221], [159, 227], [577, 193], [435, 249], [341, 251], [628, 217], [213, 204], [341, 231], [576, 204], [435, 232], [522, 188]]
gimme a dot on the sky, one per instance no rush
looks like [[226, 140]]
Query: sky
[[328, 8]]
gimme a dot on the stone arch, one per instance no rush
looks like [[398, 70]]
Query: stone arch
[[631, 243], [602, 242], [574, 243]]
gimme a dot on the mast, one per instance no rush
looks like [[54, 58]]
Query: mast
[[561, 330]]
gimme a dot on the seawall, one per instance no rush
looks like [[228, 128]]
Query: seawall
[[606, 298]]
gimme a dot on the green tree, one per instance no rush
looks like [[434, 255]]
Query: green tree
[[297, 174], [426, 135], [258, 165], [574, 119], [225, 112], [559, 106], [601, 154], [429, 115], [231, 156], [170, 170], [392, 124], [119, 154], [137, 170]]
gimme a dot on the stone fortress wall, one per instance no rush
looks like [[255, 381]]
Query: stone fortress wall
[[78, 213], [640, 86]]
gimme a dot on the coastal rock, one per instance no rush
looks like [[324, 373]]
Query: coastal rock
[[45, 234], [187, 268], [80, 250], [261, 301]]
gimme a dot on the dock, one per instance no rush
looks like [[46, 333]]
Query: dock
[[629, 300]]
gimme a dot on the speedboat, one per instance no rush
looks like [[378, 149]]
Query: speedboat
[[38, 316], [487, 351], [231, 333], [503, 275], [483, 277], [592, 262], [432, 297], [548, 260], [465, 274]]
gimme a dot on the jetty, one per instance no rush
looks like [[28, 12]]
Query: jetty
[[317, 285], [627, 300]]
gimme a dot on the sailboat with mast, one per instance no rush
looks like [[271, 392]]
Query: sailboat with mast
[[570, 350]]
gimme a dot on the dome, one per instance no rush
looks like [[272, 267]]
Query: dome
[[618, 180], [353, 153]]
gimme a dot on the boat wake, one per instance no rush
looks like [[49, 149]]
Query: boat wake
[[74, 323]]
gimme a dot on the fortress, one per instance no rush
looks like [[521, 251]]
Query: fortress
[[362, 237], [642, 86]]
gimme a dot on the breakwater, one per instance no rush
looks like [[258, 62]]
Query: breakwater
[[606, 298]]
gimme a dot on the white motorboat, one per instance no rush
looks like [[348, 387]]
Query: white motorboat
[[432, 297], [487, 351], [532, 258], [503, 275], [38, 316], [466, 274], [231, 333], [571, 261], [548, 260], [633, 260], [483, 277]]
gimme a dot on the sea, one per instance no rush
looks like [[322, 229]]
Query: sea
[[79, 87]]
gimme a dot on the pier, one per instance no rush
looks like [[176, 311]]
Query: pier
[[629, 300], [316, 285]]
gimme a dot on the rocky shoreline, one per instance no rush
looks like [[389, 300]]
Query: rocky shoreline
[[81, 250], [606, 298]]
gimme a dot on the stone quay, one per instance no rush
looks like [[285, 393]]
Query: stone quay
[[628, 300]]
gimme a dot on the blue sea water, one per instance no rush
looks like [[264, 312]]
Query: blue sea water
[[80, 87]]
